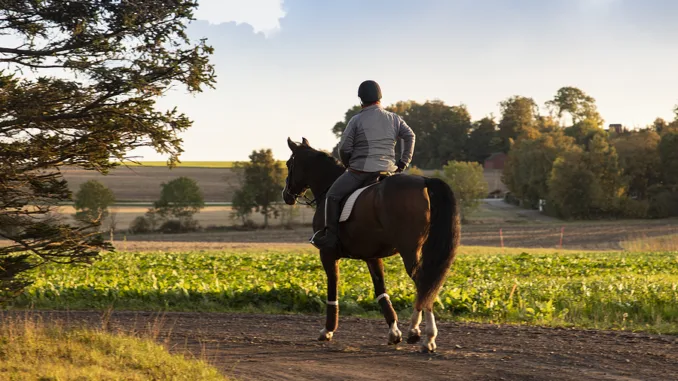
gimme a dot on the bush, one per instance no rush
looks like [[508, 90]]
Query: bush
[[467, 181], [140, 225], [664, 204], [179, 226], [631, 208]]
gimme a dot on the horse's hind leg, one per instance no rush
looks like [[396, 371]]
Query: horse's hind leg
[[411, 260], [331, 267], [376, 267]]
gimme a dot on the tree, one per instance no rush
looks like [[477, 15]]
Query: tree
[[573, 188], [468, 184], [586, 184], [584, 131], [483, 141], [640, 161], [576, 103], [668, 152], [262, 184], [518, 117], [414, 171], [180, 198], [92, 201], [530, 162], [97, 68]]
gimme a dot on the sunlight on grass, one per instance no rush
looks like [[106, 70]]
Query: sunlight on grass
[[30, 350], [652, 244]]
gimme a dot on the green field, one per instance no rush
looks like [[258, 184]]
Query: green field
[[637, 291]]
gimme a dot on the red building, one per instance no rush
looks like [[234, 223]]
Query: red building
[[495, 161]]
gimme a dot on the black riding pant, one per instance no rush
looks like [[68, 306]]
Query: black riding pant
[[349, 182]]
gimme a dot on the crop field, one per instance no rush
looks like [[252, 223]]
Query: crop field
[[592, 290]]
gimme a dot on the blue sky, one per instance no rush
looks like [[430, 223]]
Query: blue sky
[[292, 68]]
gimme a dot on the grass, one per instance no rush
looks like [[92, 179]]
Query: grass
[[636, 291], [652, 244], [30, 350]]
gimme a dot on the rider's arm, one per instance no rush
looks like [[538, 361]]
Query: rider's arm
[[407, 135], [346, 144]]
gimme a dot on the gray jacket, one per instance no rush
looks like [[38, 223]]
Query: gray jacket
[[368, 142]]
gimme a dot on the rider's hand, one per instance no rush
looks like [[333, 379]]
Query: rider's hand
[[401, 166]]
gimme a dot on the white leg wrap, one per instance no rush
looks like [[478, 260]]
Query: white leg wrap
[[334, 303], [384, 295], [431, 332]]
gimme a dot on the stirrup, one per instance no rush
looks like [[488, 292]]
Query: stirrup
[[312, 239]]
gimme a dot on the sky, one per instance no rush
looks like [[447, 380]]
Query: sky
[[292, 68]]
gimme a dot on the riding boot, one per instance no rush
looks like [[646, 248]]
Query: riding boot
[[329, 240]]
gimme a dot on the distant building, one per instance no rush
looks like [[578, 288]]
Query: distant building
[[495, 161], [616, 128]]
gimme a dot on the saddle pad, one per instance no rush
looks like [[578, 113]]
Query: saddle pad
[[348, 206]]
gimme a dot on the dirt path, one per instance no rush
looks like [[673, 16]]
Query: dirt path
[[274, 347]]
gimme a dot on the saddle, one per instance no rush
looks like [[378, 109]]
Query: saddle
[[346, 205]]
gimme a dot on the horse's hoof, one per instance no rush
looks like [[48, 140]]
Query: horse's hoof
[[394, 335], [394, 340], [325, 335], [412, 339], [428, 348]]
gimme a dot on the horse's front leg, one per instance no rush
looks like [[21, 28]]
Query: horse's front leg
[[331, 266], [376, 267]]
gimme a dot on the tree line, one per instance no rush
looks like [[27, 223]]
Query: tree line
[[563, 159]]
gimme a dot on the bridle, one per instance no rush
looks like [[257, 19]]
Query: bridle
[[306, 201]]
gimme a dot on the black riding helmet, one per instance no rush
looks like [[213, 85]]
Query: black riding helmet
[[369, 92]]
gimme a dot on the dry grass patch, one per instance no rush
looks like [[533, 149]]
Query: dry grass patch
[[30, 350]]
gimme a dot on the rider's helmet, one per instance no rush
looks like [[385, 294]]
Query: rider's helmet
[[369, 92]]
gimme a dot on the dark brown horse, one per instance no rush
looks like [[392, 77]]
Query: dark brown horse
[[415, 216]]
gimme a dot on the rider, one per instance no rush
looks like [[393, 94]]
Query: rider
[[367, 148]]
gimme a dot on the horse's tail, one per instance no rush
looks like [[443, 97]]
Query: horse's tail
[[441, 245]]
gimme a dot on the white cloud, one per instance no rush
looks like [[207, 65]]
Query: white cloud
[[263, 15]]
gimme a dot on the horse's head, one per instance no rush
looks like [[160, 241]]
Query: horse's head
[[296, 182]]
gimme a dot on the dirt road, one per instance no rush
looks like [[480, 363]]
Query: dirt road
[[274, 347]]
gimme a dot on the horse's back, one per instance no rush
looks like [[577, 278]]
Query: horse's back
[[395, 209]]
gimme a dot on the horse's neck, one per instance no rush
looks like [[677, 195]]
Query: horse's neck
[[324, 178]]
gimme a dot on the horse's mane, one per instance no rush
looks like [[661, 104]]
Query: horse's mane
[[325, 157]]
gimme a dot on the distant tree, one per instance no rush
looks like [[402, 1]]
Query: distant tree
[[262, 184], [468, 184], [575, 103], [668, 152], [587, 184], [640, 161], [92, 201], [529, 164], [660, 126], [180, 198], [242, 205], [483, 140], [584, 131], [414, 171], [573, 187], [518, 117], [78, 87]]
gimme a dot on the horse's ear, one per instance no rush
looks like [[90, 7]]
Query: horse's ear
[[293, 146], [305, 142]]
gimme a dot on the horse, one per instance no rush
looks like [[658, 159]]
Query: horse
[[414, 216]]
